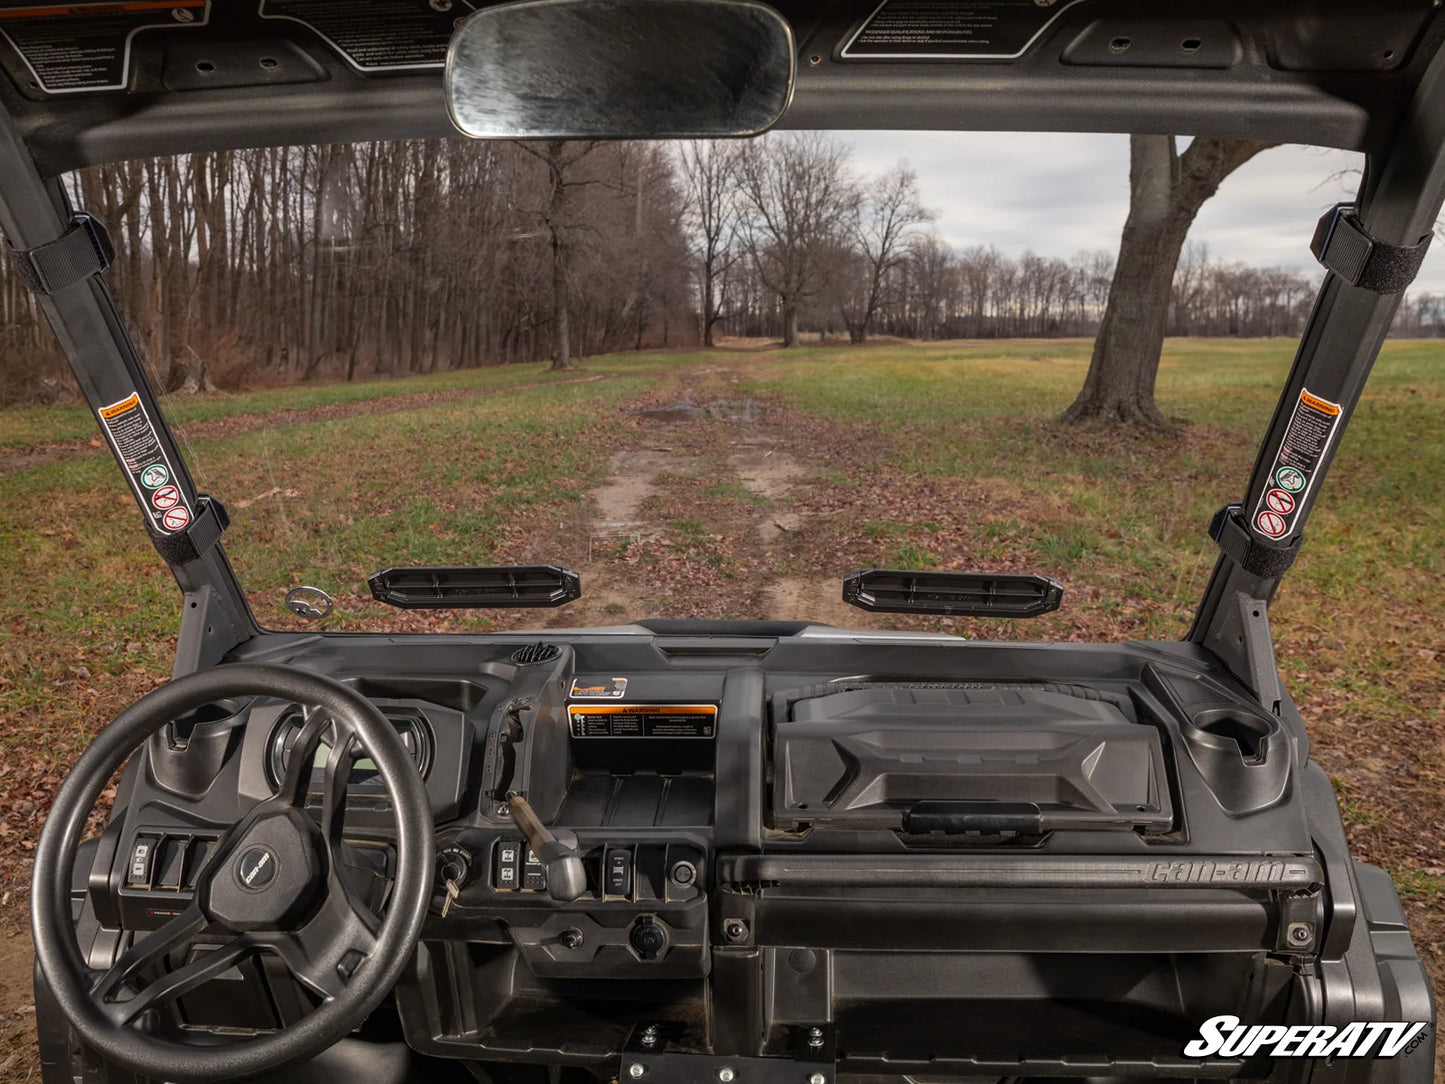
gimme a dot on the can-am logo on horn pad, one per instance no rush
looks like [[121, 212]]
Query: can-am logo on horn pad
[[257, 868]]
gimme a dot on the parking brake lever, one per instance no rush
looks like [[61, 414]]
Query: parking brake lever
[[566, 879]]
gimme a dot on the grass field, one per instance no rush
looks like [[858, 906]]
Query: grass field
[[943, 455]]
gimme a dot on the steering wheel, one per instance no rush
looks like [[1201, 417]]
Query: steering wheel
[[270, 886]]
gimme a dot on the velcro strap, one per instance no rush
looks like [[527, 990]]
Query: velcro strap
[[81, 251], [1345, 247], [205, 530], [1235, 539]]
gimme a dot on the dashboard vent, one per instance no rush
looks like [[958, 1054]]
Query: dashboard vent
[[541, 651], [958, 594], [455, 588]]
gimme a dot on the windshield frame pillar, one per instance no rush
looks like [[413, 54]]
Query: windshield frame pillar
[[107, 367], [1399, 201]]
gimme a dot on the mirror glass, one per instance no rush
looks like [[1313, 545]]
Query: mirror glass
[[620, 69]]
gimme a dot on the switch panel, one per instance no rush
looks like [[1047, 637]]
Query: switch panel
[[617, 872], [142, 860], [507, 874]]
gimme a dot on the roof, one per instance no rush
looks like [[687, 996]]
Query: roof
[[94, 82]]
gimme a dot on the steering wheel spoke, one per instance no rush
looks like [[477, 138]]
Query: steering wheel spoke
[[327, 952], [345, 751], [149, 950], [173, 984], [295, 786]]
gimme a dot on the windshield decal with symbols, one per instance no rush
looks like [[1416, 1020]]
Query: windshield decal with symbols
[[151, 474], [1296, 465]]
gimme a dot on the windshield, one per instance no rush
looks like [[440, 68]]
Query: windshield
[[715, 378]]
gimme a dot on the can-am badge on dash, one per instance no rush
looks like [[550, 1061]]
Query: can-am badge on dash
[[1226, 1037]]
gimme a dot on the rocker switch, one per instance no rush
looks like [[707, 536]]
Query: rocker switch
[[508, 873], [617, 880], [142, 860], [534, 874]]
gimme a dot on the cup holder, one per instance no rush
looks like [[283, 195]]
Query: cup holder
[[1240, 754], [183, 727], [187, 754], [1249, 733]]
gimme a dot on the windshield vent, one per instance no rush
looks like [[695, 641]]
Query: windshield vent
[[538, 652]]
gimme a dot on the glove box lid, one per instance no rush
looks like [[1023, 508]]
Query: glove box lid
[[955, 760]]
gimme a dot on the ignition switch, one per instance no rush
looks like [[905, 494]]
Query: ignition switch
[[454, 864], [453, 871]]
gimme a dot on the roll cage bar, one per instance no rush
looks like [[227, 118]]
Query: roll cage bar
[[1399, 199]]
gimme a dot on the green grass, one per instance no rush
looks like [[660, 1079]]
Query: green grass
[[21, 426], [737, 492], [1417, 887]]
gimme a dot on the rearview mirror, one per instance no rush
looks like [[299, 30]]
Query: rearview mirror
[[620, 69]]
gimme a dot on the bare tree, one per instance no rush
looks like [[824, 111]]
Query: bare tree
[[797, 189], [885, 217], [1166, 190], [710, 175], [558, 219]]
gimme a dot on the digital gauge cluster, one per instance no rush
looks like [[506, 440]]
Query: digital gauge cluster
[[411, 727], [437, 737]]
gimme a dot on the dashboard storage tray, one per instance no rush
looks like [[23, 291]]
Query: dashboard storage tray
[[966, 759]]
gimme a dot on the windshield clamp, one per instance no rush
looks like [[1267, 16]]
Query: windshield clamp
[[1345, 247], [81, 251], [205, 530], [1229, 530]]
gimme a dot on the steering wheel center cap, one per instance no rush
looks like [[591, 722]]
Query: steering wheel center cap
[[256, 868]]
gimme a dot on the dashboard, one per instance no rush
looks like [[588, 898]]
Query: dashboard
[[781, 828]]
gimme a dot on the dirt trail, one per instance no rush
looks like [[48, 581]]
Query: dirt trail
[[706, 514]]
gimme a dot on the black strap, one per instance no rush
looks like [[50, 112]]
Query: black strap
[[81, 251], [1229, 529], [1345, 247], [205, 530]]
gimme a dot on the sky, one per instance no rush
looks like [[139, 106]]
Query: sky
[[1061, 194]]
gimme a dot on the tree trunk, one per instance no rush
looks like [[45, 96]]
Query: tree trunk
[[708, 319], [1166, 190], [561, 329], [790, 325]]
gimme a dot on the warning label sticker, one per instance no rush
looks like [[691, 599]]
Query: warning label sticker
[[953, 29], [86, 46], [380, 35], [1311, 431], [612, 688], [643, 720], [134, 439]]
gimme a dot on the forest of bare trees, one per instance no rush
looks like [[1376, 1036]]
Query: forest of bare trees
[[344, 261]]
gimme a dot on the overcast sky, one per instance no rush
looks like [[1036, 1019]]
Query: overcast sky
[[1059, 194]]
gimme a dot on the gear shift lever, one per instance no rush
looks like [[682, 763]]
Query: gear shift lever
[[566, 879]]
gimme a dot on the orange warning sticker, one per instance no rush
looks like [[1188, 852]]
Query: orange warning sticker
[[1307, 441], [643, 720], [1324, 406], [149, 470], [608, 688]]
